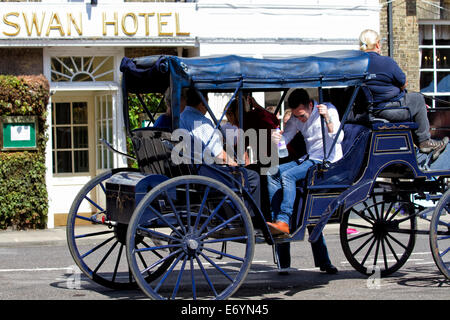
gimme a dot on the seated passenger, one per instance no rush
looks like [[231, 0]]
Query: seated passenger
[[231, 129], [201, 128], [388, 88], [164, 121]]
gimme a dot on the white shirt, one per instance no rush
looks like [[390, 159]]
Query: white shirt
[[312, 133], [201, 129]]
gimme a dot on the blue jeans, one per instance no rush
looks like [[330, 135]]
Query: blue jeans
[[283, 182]]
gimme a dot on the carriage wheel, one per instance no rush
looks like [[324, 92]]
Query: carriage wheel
[[95, 243], [207, 235], [440, 234], [386, 235]]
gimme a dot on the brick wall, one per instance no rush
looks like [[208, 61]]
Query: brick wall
[[21, 61], [405, 17]]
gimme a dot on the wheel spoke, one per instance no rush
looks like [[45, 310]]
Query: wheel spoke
[[116, 267], [216, 266], [159, 247], [175, 212], [368, 252], [87, 235], [444, 252], [158, 234], [197, 219], [212, 214], [359, 236], [165, 221], [224, 254], [388, 210], [106, 256], [188, 207], [205, 275], [369, 210], [392, 249], [180, 275], [226, 239], [168, 272], [161, 261], [97, 247], [397, 241], [383, 248], [220, 226], [93, 203], [194, 289], [362, 246]]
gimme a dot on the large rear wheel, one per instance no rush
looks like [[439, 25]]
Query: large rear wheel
[[440, 234], [206, 235]]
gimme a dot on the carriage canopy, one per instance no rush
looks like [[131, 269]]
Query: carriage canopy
[[333, 68]]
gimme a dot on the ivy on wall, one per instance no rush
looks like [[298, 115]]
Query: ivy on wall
[[23, 191]]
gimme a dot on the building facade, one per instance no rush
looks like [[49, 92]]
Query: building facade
[[78, 46]]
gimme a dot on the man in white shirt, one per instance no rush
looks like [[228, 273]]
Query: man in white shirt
[[203, 133], [305, 118]]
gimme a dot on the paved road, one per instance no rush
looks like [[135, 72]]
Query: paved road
[[36, 265]]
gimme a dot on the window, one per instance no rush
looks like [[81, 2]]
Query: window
[[70, 137], [434, 46], [82, 69], [104, 129]]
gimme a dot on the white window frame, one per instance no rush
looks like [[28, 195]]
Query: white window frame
[[434, 69]]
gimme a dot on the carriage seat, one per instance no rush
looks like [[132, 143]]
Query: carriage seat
[[345, 171], [153, 147]]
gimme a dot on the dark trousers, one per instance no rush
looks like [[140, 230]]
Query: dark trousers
[[319, 250], [416, 104]]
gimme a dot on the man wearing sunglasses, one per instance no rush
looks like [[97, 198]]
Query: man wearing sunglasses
[[306, 118]]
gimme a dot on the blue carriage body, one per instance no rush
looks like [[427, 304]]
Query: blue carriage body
[[330, 189]]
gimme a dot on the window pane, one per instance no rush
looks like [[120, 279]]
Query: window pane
[[81, 161], [80, 137], [427, 58], [442, 35], [62, 113], [63, 138], [80, 113], [426, 82], [443, 58], [54, 161], [443, 79], [426, 34], [64, 164]]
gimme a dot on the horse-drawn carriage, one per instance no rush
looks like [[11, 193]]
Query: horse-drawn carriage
[[185, 235]]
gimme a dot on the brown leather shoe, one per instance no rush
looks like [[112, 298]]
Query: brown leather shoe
[[438, 151], [432, 145], [278, 227]]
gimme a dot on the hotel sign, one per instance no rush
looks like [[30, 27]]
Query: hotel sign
[[81, 21]]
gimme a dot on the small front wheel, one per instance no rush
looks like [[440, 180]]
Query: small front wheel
[[440, 234], [204, 236], [386, 234]]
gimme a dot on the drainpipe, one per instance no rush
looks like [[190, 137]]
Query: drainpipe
[[390, 32]]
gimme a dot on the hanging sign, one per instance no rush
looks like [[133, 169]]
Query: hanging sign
[[18, 133]]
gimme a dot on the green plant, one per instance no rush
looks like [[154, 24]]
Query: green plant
[[23, 191], [137, 114]]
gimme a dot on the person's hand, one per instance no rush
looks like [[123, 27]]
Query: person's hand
[[276, 136], [323, 111]]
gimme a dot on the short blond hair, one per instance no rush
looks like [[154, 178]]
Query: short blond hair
[[368, 39]]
